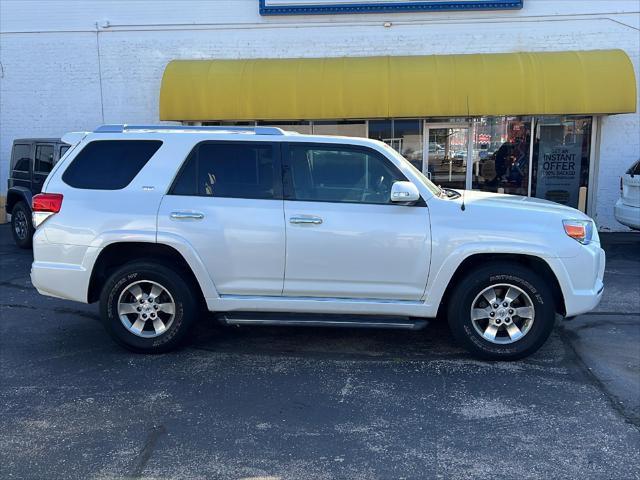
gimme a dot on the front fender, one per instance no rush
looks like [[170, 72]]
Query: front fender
[[442, 274]]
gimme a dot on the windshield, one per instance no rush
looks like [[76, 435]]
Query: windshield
[[429, 184]]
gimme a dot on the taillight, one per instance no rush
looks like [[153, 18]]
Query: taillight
[[44, 205], [620, 185]]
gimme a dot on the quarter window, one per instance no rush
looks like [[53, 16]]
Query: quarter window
[[21, 160], [335, 173], [109, 164], [231, 170], [44, 158]]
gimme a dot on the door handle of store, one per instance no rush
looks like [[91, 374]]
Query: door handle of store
[[186, 216], [305, 220]]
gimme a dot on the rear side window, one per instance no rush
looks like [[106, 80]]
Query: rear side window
[[21, 160], [44, 158], [231, 170], [109, 164]]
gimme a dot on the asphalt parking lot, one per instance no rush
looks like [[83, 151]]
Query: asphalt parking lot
[[287, 403]]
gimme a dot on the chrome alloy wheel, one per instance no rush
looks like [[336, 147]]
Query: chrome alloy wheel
[[146, 309], [502, 313], [21, 225]]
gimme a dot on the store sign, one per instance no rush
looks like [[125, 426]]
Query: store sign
[[309, 7], [559, 174]]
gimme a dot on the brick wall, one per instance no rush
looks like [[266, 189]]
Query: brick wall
[[62, 70]]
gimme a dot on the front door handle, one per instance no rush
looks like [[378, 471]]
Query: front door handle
[[186, 216], [305, 220]]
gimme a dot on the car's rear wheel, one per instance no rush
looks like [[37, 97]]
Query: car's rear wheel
[[21, 225], [147, 307], [501, 312]]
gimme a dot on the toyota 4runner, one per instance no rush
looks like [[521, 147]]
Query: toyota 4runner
[[266, 227]]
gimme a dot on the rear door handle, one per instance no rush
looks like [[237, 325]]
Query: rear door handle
[[305, 220], [186, 216]]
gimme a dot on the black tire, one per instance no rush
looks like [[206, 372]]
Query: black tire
[[22, 225], [178, 286], [460, 303]]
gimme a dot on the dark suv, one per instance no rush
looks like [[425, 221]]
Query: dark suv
[[31, 161]]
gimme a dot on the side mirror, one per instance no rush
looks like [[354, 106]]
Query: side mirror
[[404, 192]]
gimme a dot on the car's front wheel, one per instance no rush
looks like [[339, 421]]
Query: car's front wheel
[[21, 225], [501, 312], [147, 307]]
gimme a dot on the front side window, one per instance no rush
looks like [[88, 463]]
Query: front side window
[[44, 158], [109, 164], [21, 160], [229, 170], [336, 173]]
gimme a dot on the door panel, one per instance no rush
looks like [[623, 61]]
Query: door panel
[[227, 203], [344, 236], [358, 251], [240, 241]]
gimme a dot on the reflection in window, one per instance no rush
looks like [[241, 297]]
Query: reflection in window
[[561, 158], [501, 155]]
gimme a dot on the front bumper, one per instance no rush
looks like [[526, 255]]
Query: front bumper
[[582, 279]]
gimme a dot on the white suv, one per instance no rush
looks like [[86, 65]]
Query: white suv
[[267, 227]]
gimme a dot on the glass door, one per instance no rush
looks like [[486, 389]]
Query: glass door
[[448, 150]]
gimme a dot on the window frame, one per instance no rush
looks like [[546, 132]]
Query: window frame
[[288, 191], [277, 168], [35, 158]]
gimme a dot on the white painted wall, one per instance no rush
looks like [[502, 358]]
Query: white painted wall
[[70, 65]]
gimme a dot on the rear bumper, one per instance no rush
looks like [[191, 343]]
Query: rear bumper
[[62, 271], [627, 214], [60, 280]]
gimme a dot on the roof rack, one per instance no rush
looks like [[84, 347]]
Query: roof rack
[[120, 128]]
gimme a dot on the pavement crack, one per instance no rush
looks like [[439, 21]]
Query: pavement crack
[[148, 448]]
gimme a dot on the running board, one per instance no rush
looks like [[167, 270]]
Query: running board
[[322, 320]]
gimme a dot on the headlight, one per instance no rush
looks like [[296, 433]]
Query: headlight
[[580, 230]]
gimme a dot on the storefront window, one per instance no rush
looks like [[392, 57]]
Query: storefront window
[[561, 158], [501, 150], [407, 134], [356, 128], [381, 130], [300, 127]]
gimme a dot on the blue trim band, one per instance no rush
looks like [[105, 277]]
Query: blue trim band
[[320, 9]]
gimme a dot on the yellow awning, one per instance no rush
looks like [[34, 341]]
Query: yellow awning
[[578, 82]]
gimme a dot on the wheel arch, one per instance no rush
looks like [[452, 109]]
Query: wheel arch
[[118, 254], [18, 194], [537, 264]]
